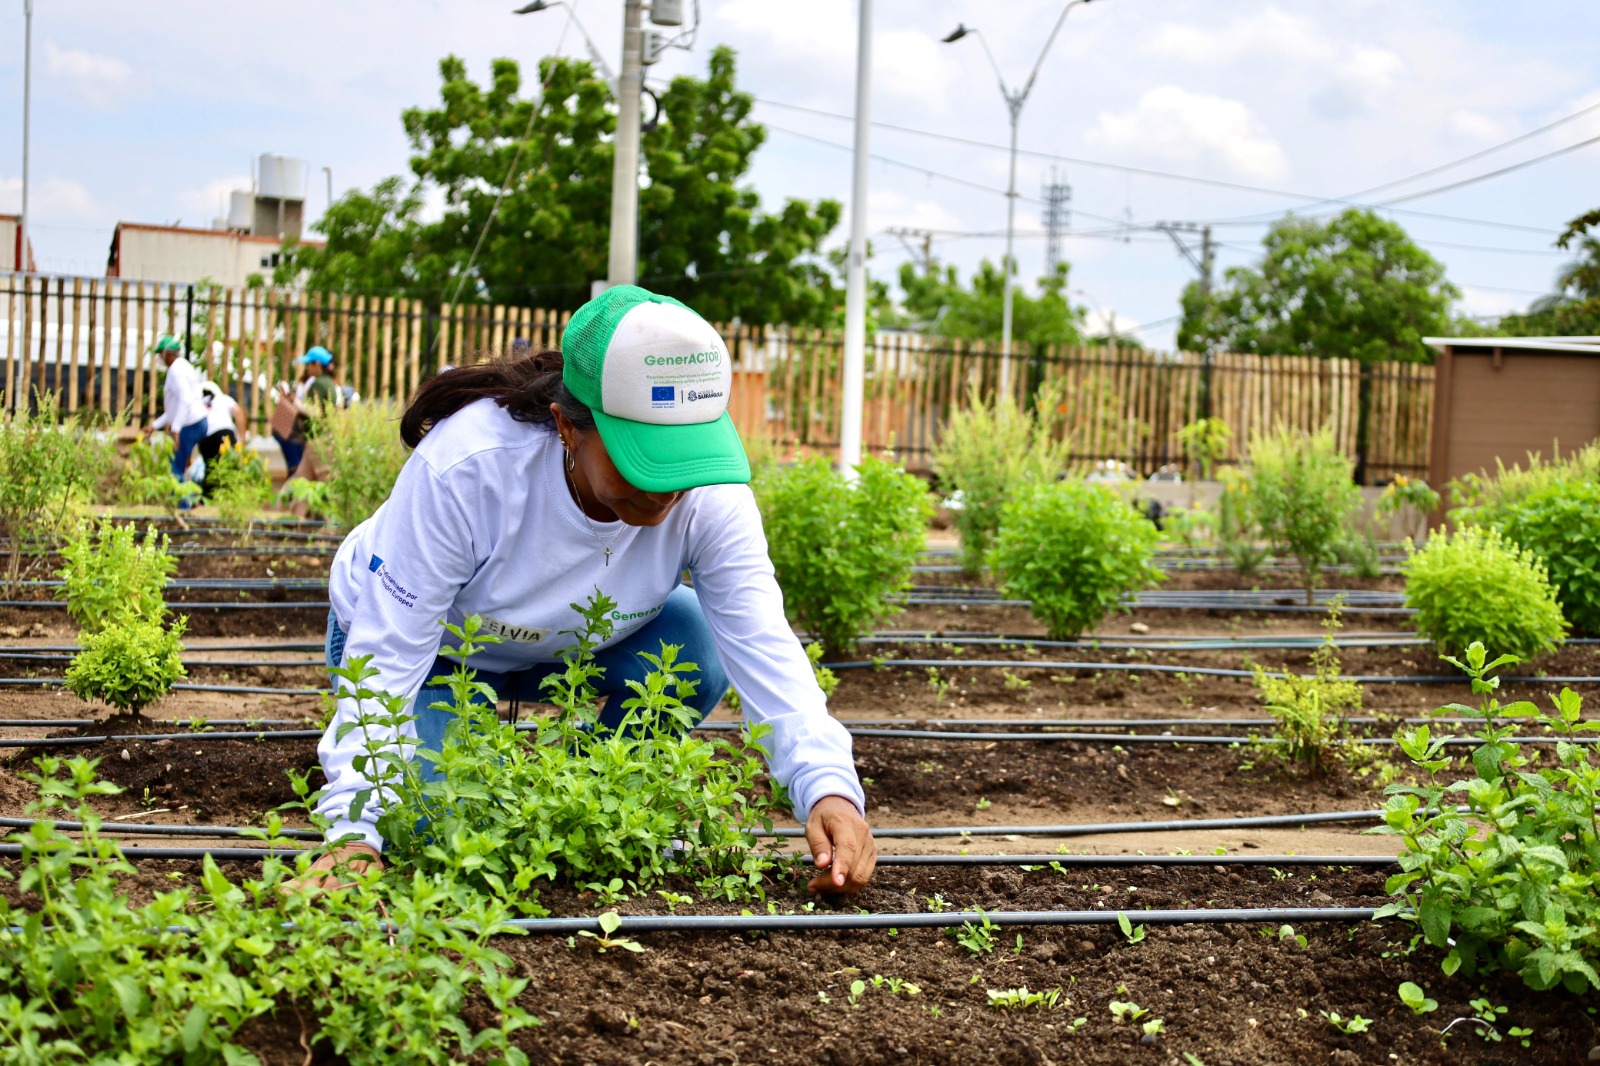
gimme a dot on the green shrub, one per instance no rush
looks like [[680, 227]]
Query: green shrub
[[129, 664], [111, 573], [567, 802], [1560, 523], [362, 447], [1311, 712], [989, 451], [49, 468], [238, 484], [1412, 500], [1513, 881], [840, 550], [372, 975], [147, 476], [1475, 586], [1484, 501], [1301, 496], [1073, 549]]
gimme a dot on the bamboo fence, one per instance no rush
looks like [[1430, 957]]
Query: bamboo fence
[[88, 339]]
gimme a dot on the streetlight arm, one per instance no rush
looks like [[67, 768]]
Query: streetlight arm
[[999, 77], [1028, 87], [572, 13]]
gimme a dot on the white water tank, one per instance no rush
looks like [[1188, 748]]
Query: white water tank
[[241, 210], [279, 177]]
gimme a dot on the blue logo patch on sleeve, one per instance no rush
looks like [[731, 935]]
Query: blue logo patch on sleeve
[[374, 564]]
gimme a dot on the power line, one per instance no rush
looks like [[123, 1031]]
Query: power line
[[1475, 179], [1150, 172]]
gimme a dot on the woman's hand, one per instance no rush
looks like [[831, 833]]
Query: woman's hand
[[841, 845], [336, 868]]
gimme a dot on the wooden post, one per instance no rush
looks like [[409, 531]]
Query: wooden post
[[389, 377], [140, 345], [72, 369], [11, 335]]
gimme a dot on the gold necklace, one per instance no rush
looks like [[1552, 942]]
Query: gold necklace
[[595, 533]]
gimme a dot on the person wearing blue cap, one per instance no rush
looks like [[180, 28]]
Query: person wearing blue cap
[[291, 424], [611, 464], [183, 405]]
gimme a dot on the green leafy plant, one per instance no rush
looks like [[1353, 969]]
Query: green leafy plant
[[1073, 549], [1130, 932], [1487, 501], [1238, 532], [129, 663], [841, 550], [1509, 882], [48, 466], [1022, 999], [147, 476], [1475, 586], [1301, 496], [1561, 525], [364, 455], [109, 572], [1205, 443], [238, 484], [1311, 712], [979, 939], [565, 800], [606, 939], [1413, 996], [1412, 500], [1347, 1026], [988, 452], [1127, 1010], [375, 976]]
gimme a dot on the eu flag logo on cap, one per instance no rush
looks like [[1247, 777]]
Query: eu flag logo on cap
[[662, 395]]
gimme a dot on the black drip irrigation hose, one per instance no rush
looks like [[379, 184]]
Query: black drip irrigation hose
[[125, 738], [227, 852], [237, 664], [1192, 671], [180, 606], [110, 827], [246, 690], [245, 724], [7, 650], [1171, 825], [214, 584], [1290, 643]]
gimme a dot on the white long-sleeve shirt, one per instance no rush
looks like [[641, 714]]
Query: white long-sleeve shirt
[[183, 404], [481, 522]]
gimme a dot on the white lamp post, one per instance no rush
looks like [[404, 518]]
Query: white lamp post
[[1014, 101], [855, 284]]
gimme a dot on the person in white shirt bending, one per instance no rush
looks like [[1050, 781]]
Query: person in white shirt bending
[[183, 412], [226, 423], [612, 464]]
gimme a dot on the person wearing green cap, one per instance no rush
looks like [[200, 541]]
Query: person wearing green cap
[[183, 412], [611, 464]]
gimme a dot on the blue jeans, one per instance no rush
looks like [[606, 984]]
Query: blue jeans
[[189, 438], [680, 622], [292, 450]]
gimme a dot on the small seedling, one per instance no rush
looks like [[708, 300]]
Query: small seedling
[[1013, 682], [1132, 933], [939, 683], [978, 939], [1413, 996], [1348, 1026], [983, 804], [1521, 1035], [1126, 1010], [1285, 933], [857, 988], [673, 900], [937, 903], [610, 922], [1022, 999]]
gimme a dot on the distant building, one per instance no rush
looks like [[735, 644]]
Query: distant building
[[184, 255], [245, 242], [11, 245]]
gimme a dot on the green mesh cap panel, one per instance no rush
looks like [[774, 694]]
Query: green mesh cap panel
[[588, 335]]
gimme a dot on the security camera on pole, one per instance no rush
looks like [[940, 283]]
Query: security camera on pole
[[1014, 102]]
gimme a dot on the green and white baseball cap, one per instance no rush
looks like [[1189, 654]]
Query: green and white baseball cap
[[657, 378]]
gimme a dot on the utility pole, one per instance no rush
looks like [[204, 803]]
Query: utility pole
[[1057, 220], [924, 255], [855, 286], [1203, 260], [18, 399], [624, 262]]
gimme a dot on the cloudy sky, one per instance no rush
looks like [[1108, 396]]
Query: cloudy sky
[[1222, 111]]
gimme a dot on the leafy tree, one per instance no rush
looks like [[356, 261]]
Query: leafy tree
[[1355, 287], [938, 301], [1574, 308], [702, 236]]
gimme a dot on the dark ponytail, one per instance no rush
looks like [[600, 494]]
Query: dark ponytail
[[526, 387]]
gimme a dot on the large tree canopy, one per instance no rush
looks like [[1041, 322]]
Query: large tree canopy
[[937, 302], [702, 236], [1353, 287]]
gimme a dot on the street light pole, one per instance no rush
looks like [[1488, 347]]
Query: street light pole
[[1014, 102], [17, 398], [624, 263], [855, 285]]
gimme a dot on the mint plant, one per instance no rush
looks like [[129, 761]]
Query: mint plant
[[1475, 586], [48, 467], [841, 550], [1073, 549], [565, 799], [109, 572], [380, 976], [128, 664], [988, 452], [1561, 525], [1508, 883]]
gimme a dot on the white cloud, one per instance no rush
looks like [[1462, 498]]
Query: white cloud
[[1268, 34], [1478, 302], [1477, 125], [102, 81], [887, 209], [1097, 322], [1172, 124], [51, 200], [200, 206]]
